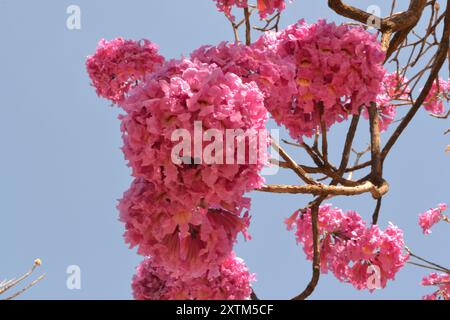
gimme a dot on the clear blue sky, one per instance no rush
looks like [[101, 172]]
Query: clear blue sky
[[61, 169]]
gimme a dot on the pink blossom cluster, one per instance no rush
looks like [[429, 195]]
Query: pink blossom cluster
[[173, 98], [442, 282], [309, 71], [366, 257], [439, 92], [119, 64], [430, 217], [338, 69], [186, 214], [274, 75], [265, 7], [153, 282], [187, 242]]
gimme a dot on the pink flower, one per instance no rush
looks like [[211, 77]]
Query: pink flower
[[186, 241], [308, 67], [268, 7], [365, 257], [265, 7], [337, 70], [275, 76], [439, 93], [225, 6], [232, 282], [431, 217], [184, 211], [442, 282], [179, 95], [119, 64]]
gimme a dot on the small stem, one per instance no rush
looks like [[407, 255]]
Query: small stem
[[18, 293], [323, 128], [298, 169], [426, 261], [377, 173], [376, 213], [424, 266]]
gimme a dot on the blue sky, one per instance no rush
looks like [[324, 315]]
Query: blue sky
[[61, 169]]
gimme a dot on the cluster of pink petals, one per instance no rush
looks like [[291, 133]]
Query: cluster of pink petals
[[232, 282], [275, 76], [430, 217], [277, 68], [179, 94], [308, 67], [184, 215], [268, 7], [187, 242], [119, 64], [353, 252], [338, 69], [442, 282], [265, 7], [439, 92]]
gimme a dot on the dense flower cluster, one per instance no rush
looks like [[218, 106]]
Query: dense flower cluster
[[186, 209], [152, 282], [117, 65], [442, 282], [274, 75], [265, 7], [186, 215], [440, 92], [430, 217], [268, 7], [186, 241], [338, 69], [364, 256], [174, 98], [310, 71]]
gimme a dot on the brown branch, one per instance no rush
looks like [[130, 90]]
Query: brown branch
[[376, 213], [395, 22], [323, 128], [253, 295], [297, 169], [359, 166], [348, 143], [248, 28], [316, 257], [322, 189], [416, 9], [375, 144], [285, 165]]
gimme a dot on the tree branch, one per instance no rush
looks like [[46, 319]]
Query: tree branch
[[322, 189]]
